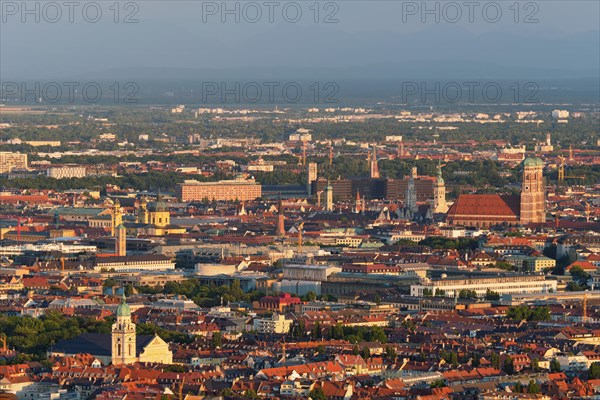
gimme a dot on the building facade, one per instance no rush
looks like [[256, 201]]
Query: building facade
[[228, 190], [11, 161]]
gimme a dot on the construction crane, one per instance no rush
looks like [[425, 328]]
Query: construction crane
[[585, 297], [561, 172], [330, 153], [304, 153]]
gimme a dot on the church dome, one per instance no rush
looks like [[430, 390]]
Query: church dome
[[533, 162], [123, 310], [159, 205]]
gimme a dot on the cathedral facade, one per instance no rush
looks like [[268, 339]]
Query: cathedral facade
[[486, 210]]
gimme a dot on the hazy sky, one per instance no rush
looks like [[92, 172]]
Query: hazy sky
[[552, 35]]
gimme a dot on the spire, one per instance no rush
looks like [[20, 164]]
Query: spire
[[373, 164]]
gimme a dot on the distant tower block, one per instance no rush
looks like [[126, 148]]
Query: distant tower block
[[533, 198], [280, 231], [311, 176], [328, 197], [374, 166], [121, 240], [439, 193]]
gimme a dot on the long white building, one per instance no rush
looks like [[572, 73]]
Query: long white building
[[511, 284]]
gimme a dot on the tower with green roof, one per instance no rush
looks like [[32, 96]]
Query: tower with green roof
[[533, 194], [123, 336]]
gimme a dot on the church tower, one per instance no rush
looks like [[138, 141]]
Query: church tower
[[328, 197], [159, 214], [410, 198], [123, 336], [121, 240], [533, 198], [374, 166], [116, 217], [280, 231], [439, 193], [143, 211]]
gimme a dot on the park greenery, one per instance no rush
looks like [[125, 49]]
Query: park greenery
[[204, 295], [523, 312], [34, 336]]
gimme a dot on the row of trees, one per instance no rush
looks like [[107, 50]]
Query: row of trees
[[526, 313], [33, 336], [352, 334], [205, 295]]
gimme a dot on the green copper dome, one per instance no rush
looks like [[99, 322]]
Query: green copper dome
[[159, 205], [123, 310], [533, 162]]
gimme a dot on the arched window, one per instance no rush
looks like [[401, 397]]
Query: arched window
[[119, 349]]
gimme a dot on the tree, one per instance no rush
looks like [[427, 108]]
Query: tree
[[310, 296], [317, 394], [554, 365], [316, 331], [365, 353], [467, 294], [594, 371], [509, 366], [495, 360], [533, 387], [523, 312], [491, 295], [128, 289], [216, 340], [518, 388], [579, 274], [390, 352]]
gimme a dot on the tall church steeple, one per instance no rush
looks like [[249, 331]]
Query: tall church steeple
[[328, 197], [123, 336], [533, 196], [410, 199], [373, 164], [116, 216], [439, 193]]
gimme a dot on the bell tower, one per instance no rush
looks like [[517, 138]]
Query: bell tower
[[123, 336], [439, 193], [533, 198], [374, 168]]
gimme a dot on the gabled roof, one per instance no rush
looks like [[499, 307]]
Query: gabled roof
[[474, 205], [96, 344]]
